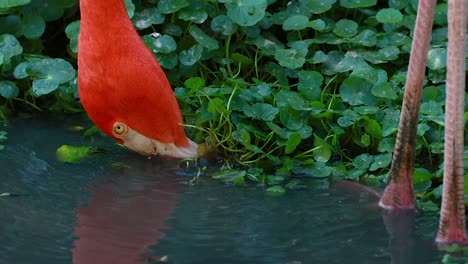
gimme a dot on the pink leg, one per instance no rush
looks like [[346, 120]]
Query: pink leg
[[399, 192], [452, 215]]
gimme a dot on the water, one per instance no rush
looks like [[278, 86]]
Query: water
[[146, 212]]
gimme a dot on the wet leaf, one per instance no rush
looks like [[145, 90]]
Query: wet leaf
[[275, 190], [261, 111], [9, 47], [47, 74], [366, 38], [317, 6], [365, 140], [384, 90], [194, 15], [246, 12], [73, 154], [171, 6], [310, 83], [160, 43], [228, 176], [373, 128], [357, 91], [195, 83], [13, 3], [223, 24], [345, 28], [290, 58], [72, 31], [389, 15], [363, 161], [147, 17], [191, 56], [8, 89], [202, 38], [322, 152], [317, 24], [437, 58], [293, 141], [381, 161], [357, 3], [295, 22], [33, 26]]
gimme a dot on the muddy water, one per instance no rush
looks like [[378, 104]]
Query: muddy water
[[145, 212]]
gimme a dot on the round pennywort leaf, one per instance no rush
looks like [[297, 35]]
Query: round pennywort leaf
[[389, 15], [246, 12], [345, 28]]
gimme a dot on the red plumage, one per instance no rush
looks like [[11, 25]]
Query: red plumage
[[119, 78]]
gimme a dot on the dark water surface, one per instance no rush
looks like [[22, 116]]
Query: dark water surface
[[146, 213]]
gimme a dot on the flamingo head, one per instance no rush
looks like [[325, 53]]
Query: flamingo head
[[148, 146]]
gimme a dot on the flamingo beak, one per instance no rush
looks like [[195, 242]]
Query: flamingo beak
[[147, 146]]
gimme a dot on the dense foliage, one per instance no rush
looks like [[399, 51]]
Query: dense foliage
[[281, 88]]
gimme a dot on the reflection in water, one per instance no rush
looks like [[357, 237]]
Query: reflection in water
[[91, 213], [126, 213]]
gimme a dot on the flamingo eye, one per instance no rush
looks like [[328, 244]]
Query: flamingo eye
[[120, 129]]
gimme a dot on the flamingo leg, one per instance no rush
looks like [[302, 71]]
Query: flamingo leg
[[399, 192], [452, 215]]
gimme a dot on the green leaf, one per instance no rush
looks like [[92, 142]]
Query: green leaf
[[224, 25], [130, 7], [381, 161], [261, 111], [191, 56], [13, 3], [33, 26], [317, 24], [357, 3], [345, 28], [228, 176], [357, 91], [367, 38], [47, 74], [160, 43], [195, 83], [73, 154], [203, 39], [322, 152], [388, 53], [317, 6], [194, 15], [275, 190], [8, 89], [290, 58], [384, 90], [293, 141], [295, 22], [389, 15], [437, 58], [246, 12], [242, 136], [365, 140], [310, 83], [363, 161], [147, 17], [373, 128], [171, 6], [349, 118], [9, 47], [72, 31]]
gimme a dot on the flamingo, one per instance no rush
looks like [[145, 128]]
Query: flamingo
[[398, 194], [122, 86]]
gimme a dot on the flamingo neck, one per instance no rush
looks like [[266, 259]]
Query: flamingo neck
[[99, 16]]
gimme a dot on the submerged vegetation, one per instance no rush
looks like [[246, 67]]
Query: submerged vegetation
[[280, 88]]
